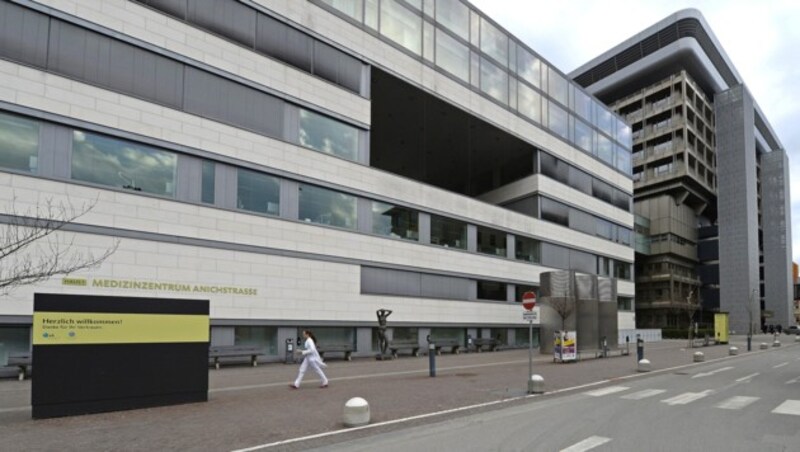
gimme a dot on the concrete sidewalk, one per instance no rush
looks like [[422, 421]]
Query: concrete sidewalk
[[254, 406]]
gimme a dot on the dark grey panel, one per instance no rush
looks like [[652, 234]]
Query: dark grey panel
[[350, 70], [326, 61], [214, 97], [103, 61], [526, 206], [175, 8], [54, 150], [581, 221], [555, 256], [608, 327], [587, 324], [189, 177], [434, 286], [284, 43], [226, 18], [23, 35], [580, 180], [582, 262], [384, 281]]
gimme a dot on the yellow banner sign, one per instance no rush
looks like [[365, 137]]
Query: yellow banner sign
[[135, 284], [60, 328]]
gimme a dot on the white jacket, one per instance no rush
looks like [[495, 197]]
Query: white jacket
[[310, 353]]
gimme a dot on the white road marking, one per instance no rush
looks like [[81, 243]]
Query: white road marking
[[793, 380], [780, 365], [712, 372], [788, 407], [606, 391], [587, 444], [748, 377], [644, 394], [687, 397], [737, 403]]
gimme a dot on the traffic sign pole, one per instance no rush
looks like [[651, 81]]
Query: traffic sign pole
[[529, 302]]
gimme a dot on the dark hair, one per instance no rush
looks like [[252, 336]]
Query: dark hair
[[311, 335]]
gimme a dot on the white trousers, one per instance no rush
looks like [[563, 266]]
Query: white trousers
[[314, 365]]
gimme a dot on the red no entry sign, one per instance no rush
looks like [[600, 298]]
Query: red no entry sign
[[528, 300]]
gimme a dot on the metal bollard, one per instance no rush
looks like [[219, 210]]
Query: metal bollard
[[639, 349], [432, 359]]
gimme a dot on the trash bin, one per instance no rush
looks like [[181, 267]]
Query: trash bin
[[289, 357]]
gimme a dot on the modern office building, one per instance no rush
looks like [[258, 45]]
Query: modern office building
[[306, 163], [711, 180]]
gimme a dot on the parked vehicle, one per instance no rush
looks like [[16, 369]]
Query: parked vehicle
[[793, 329]]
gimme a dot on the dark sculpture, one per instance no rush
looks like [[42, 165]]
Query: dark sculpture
[[382, 341]]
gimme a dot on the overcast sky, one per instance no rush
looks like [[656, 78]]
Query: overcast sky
[[762, 39]]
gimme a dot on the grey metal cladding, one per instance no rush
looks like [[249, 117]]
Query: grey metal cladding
[[554, 256], [224, 17], [106, 62], [284, 43], [216, 98], [383, 281], [435, 286], [582, 262], [175, 8], [23, 34], [582, 221]]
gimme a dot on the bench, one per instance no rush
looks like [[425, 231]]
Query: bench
[[395, 346], [453, 344], [488, 342], [347, 349], [21, 361], [235, 351]]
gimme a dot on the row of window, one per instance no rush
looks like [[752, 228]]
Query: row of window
[[90, 57], [582, 181], [469, 47], [113, 162], [263, 34]]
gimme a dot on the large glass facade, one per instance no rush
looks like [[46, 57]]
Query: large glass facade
[[258, 192], [327, 135], [492, 290], [323, 206], [263, 337], [502, 68], [491, 241], [395, 221], [448, 233], [118, 163], [19, 143]]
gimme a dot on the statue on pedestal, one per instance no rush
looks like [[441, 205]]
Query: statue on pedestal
[[383, 342]]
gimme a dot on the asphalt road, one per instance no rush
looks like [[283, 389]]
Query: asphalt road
[[748, 404]]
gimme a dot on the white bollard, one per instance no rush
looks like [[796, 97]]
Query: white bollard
[[763, 346], [644, 365], [356, 412], [699, 357], [777, 343], [733, 351], [537, 384], [797, 338]]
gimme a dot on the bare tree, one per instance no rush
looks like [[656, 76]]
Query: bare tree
[[33, 247], [563, 306]]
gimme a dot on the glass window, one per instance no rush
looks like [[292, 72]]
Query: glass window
[[625, 303], [109, 161], [402, 26], [580, 180], [557, 87], [263, 337], [491, 241], [16, 339], [530, 102], [494, 42], [371, 14], [19, 143], [492, 290], [583, 136], [452, 56], [395, 221], [415, 3], [622, 270], [529, 67], [448, 233], [605, 150], [555, 211], [331, 335], [526, 249], [558, 121], [494, 81], [521, 338], [604, 120], [623, 160], [351, 8], [603, 266], [207, 186], [323, 206], [258, 192], [455, 16], [602, 191], [623, 235], [582, 104], [328, 135], [604, 229], [624, 134], [554, 168]]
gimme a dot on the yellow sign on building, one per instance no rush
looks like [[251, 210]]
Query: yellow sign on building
[[61, 328]]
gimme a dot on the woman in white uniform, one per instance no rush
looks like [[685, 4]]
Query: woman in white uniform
[[310, 358]]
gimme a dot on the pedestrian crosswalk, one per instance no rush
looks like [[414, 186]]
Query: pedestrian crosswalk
[[738, 402]]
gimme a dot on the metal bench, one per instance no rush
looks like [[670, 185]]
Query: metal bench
[[395, 346], [21, 360], [347, 349], [234, 351], [490, 343], [453, 344]]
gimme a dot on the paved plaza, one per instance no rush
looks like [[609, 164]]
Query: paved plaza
[[249, 407]]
